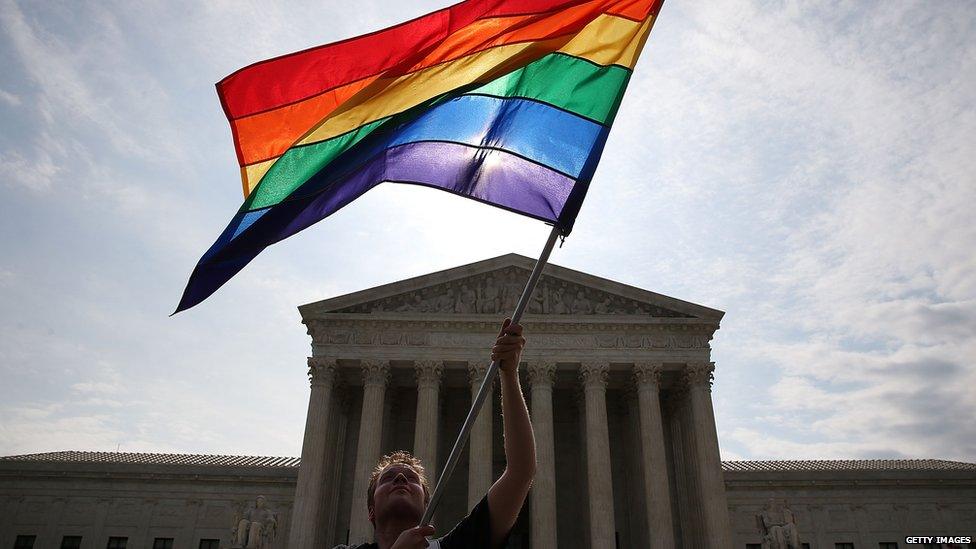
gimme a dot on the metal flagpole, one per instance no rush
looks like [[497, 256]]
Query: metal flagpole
[[484, 390]]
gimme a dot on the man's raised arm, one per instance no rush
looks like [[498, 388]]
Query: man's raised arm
[[507, 494]]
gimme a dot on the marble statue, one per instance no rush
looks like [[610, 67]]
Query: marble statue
[[489, 300], [256, 527], [558, 305], [582, 305], [444, 303], [467, 300], [777, 526], [416, 306], [537, 301]]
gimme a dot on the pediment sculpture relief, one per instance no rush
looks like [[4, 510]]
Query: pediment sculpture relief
[[498, 292]]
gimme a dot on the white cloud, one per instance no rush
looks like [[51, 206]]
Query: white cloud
[[25, 432], [37, 175], [97, 387], [809, 173], [80, 83], [9, 98]]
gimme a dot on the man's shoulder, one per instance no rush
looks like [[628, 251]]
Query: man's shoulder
[[473, 532]]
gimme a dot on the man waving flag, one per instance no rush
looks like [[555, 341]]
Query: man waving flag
[[508, 102]]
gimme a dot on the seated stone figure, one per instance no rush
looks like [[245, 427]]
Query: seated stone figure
[[777, 526], [256, 528]]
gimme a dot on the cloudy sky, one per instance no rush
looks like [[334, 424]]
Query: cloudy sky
[[801, 166]]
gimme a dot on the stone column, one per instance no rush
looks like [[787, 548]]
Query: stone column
[[694, 533], [425, 433], [309, 496], [479, 445], [542, 498], [579, 402], [657, 497], [708, 466], [679, 450], [376, 375], [333, 474], [599, 482]]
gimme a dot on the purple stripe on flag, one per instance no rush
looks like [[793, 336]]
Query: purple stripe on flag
[[490, 175]]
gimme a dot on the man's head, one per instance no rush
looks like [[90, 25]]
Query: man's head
[[259, 502], [397, 488]]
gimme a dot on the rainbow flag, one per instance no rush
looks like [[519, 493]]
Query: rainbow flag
[[508, 102]]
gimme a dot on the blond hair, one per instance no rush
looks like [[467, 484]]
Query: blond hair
[[400, 457]]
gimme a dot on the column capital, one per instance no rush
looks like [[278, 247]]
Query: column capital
[[594, 374], [541, 372], [428, 372], [698, 374], [322, 371], [648, 374], [477, 371], [375, 372]]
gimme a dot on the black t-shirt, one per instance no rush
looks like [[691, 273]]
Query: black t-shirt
[[473, 532]]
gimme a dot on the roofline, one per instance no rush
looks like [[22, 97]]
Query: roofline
[[741, 469], [309, 310]]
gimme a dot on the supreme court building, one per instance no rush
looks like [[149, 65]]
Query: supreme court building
[[618, 383]]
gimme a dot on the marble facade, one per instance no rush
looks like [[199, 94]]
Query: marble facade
[[608, 369]]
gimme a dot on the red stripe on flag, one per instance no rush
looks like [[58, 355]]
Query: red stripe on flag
[[282, 80]]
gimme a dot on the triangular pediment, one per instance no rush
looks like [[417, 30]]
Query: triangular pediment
[[493, 286]]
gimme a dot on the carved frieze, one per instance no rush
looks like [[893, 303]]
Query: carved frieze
[[497, 292], [426, 337]]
